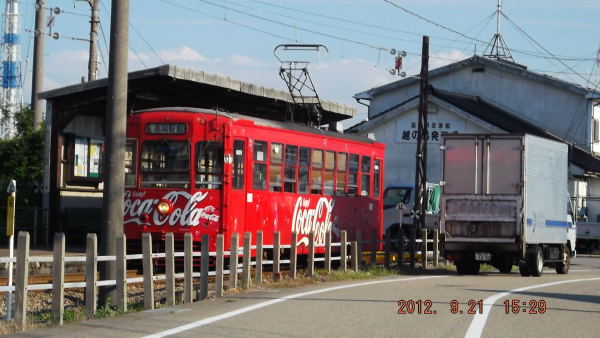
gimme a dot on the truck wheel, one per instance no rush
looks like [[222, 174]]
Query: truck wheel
[[466, 266], [536, 261], [505, 265], [563, 267], [524, 270]]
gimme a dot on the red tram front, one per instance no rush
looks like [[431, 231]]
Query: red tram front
[[207, 172]]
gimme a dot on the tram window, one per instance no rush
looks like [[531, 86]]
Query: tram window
[[303, 170], [130, 163], [329, 172], [238, 164], [165, 164], [291, 163], [365, 177], [259, 167], [352, 174], [209, 164], [340, 178], [316, 172], [376, 177], [275, 169]]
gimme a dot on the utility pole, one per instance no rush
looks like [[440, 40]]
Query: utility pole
[[114, 164], [95, 20], [420, 206], [38, 64]]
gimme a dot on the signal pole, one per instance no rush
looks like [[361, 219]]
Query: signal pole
[[420, 206], [38, 64], [114, 164], [95, 19]]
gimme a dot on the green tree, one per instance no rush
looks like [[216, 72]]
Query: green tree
[[22, 160]]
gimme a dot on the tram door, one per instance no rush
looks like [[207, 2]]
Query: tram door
[[237, 200]]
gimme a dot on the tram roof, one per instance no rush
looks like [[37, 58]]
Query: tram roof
[[170, 85], [266, 122]]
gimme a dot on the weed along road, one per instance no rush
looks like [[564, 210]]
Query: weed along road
[[489, 304]]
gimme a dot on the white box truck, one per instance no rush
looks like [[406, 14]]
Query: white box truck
[[505, 202]]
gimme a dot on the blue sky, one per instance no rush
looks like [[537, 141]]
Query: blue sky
[[236, 38]]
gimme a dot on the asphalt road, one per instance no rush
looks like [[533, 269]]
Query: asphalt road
[[414, 306]]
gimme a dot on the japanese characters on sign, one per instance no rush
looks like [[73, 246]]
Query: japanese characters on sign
[[407, 130]]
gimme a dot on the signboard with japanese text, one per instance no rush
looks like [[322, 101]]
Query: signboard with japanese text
[[407, 129]]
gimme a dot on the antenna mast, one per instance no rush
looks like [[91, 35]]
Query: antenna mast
[[10, 100], [497, 47]]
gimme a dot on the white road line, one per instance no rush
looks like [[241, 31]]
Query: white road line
[[234, 313], [478, 323]]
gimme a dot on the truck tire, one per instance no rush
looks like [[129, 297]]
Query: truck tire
[[505, 265], [467, 266], [536, 261], [563, 267], [524, 270]]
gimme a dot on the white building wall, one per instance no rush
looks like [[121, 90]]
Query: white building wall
[[400, 153], [558, 109]]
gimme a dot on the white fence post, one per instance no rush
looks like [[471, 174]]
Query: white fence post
[[293, 254], [148, 271], [354, 256], [58, 279], [328, 251], [343, 251], [188, 267], [359, 241], [22, 279], [259, 257], [233, 261], [121, 273], [311, 254], [204, 258], [170, 269], [276, 241], [219, 267], [246, 261], [91, 275]]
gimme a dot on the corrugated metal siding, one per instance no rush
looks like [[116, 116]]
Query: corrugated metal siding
[[546, 175]]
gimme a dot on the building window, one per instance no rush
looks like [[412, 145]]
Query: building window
[[329, 172], [238, 164], [209, 164], [275, 169], [340, 179], [259, 167], [130, 163], [291, 163], [165, 164], [596, 130], [376, 178], [304, 165], [352, 175], [316, 173], [83, 160], [365, 177]]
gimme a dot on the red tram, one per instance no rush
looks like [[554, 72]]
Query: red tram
[[207, 172]]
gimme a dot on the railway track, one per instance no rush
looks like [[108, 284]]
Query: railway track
[[69, 278]]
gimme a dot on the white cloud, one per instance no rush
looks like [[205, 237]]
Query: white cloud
[[183, 53], [245, 61], [441, 59]]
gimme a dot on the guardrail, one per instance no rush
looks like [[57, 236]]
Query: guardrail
[[91, 284]]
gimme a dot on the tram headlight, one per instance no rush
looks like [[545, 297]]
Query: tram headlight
[[164, 207]]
